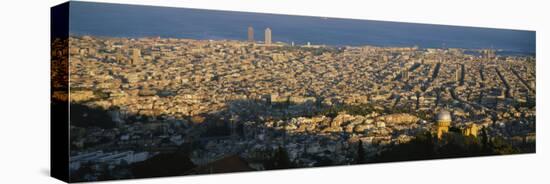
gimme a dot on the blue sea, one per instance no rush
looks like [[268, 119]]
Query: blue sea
[[116, 20]]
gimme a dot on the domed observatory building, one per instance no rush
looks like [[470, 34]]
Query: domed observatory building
[[443, 122]]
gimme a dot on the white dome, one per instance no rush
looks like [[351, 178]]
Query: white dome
[[444, 116]]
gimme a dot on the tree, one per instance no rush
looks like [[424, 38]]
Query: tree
[[164, 164], [360, 153], [84, 116], [485, 147], [453, 145], [279, 160], [84, 170], [105, 173], [501, 147], [282, 161]]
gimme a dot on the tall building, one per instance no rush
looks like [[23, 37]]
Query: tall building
[[443, 123], [268, 36], [250, 34], [119, 56], [136, 56], [458, 75], [404, 75], [488, 54]]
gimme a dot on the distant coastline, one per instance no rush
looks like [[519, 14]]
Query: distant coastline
[[469, 51]]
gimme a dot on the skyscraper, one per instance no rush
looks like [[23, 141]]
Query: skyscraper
[[458, 75], [250, 34], [405, 75], [119, 57], [268, 36], [136, 56], [488, 54]]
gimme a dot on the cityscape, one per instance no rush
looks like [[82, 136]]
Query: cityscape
[[155, 106]]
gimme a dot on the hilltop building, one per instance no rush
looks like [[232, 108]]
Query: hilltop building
[[443, 123]]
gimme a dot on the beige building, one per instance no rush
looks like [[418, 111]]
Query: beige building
[[268, 36], [470, 130], [250, 34], [136, 56], [443, 123]]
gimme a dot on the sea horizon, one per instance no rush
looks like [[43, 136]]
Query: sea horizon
[[130, 21]]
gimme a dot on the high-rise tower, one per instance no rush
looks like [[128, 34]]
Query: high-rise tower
[[268, 36], [250, 34], [136, 56]]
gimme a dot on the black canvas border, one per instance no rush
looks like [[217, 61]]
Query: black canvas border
[[59, 112]]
